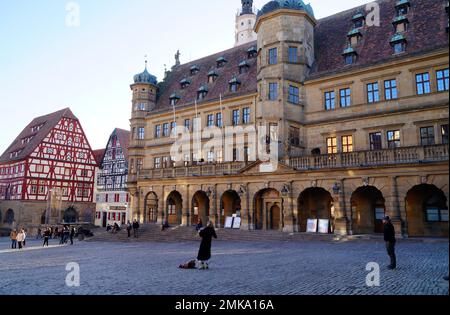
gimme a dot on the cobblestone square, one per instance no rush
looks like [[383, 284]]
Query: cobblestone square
[[285, 268]]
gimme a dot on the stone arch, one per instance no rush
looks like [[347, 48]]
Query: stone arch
[[315, 203], [151, 207], [230, 204], [264, 209], [174, 208], [70, 215], [200, 207], [426, 211], [9, 217], [367, 210]]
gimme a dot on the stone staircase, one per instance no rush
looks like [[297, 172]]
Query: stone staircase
[[153, 233]]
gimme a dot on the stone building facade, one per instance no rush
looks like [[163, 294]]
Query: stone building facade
[[360, 110]]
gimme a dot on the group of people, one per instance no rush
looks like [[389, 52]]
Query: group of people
[[66, 234], [115, 228], [18, 238]]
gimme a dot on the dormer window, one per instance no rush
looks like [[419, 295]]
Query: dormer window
[[243, 67], [174, 98], [234, 84], [349, 55], [221, 62], [195, 69], [202, 92], [400, 23], [354, 36], [358, 20], [398, 41], [185, 83], [212, 76], [402, 7], [252, 52]]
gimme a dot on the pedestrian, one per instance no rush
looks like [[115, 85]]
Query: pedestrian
[[204, 253], [72, 234], [20, 238], [39, 234], [389, 238], [24, 237], [56, 233], [47, 235], [66, 234], [13, 237], [165, 225], [129, 228], [136, 228]]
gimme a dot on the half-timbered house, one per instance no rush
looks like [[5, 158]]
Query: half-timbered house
[[47, 173]]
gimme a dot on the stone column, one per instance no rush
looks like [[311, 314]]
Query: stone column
[[288, 210], [161, 207], [186, 208], [245, 210], [250, 209], [341, 223], [393, 206], [213, 206]]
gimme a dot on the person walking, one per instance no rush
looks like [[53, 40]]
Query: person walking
[[389, 238], [47, 234], [199, 225], [72, 234], [129, 228], [39, 234], [24, 237], [13, 237], [20, 238], [204, 253], [136, 228]]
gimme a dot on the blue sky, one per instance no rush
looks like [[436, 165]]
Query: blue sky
[[46, 65]]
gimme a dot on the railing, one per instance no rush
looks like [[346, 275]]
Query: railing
[[407, 155], [137, 143]]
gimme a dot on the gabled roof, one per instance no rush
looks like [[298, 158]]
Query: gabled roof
[[124, 138], [426, 32], [48, 122], [98, 156], [206, 65]]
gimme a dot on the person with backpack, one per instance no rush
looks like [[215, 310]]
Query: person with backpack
[[20, 238]]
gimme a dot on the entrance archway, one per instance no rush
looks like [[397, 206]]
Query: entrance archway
[[427, 211], [314, 203], [200, 207], [368, 210], [9, 217], [268, 210], [151, 208], [230, 204], [174, 209], [70, 215]]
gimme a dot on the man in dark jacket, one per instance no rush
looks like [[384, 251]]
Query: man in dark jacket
[[136, 228], [389, 238]]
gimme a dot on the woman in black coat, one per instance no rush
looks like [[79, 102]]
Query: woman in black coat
[[204, 254]]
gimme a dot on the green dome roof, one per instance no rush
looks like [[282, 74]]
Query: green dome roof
[[145, 77], [286, 4]]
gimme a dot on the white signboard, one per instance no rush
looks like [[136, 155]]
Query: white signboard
[[237, 223], [229, 223], [312, 226], [324, 226]]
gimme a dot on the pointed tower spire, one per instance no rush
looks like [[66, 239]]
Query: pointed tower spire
[[247, 7]]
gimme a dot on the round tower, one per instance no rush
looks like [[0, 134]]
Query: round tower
[[285, 32], [245, 22]]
